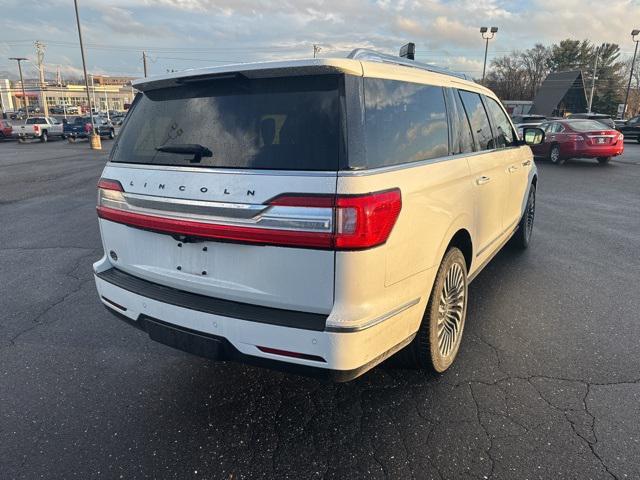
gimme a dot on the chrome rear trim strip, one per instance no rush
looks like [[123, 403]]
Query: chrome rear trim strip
[[375, 321], [198, 207], [279, 217]]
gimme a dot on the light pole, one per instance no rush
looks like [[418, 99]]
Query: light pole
[[634, 34], [593, 80], [487, 34], [24, 94], [86, 79]]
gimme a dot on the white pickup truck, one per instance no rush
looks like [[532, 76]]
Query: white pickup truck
[[39, 127]]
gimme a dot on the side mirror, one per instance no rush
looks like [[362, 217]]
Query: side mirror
[[532, 135]]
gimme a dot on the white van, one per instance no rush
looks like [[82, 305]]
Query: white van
[[316, 216]]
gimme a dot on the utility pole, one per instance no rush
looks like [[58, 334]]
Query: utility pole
[[24, 94], [93, 94], [593, 80], [316, 50], [634, 33], [86, 80], [144, 63], [40, 48], [106, 100], [487, 35]]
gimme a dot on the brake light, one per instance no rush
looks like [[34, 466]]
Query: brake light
[[361, 221], [333, 222], [108, 184], [36, 128]]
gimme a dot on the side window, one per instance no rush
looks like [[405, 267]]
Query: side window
[[478, 119], [404, 122], [503, 132], [461, 138]]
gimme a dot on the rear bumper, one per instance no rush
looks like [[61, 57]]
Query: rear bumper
[[329, 355], [593, 151]]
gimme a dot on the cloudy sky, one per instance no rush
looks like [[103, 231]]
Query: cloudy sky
[[180, 34]]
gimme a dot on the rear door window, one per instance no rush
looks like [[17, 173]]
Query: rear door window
[[404, 122], [503, 132], [478, 119], [461, 137], [291, 123]]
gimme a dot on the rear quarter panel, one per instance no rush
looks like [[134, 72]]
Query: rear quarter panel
[[437, 200]]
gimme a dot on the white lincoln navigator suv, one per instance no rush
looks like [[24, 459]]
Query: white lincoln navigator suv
[[316, 216]]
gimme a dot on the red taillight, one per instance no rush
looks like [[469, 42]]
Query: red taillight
[[361, 221], [108, 184], [36, 128], [340, 222], [228, 233]]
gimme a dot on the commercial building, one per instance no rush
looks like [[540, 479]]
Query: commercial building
[[107, 93], [561, 93]]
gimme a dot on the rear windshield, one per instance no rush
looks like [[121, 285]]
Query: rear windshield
[[277, 123], [587, 125]]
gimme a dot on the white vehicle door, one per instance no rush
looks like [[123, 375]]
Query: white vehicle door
[[489, 177], [518, 161]]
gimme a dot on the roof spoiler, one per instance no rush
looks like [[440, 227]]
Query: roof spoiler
[[373, 56]]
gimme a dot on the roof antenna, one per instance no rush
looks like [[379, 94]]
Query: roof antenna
[[408, 51]]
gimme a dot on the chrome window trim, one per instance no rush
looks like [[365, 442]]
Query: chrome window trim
[[403, 166], [311, 173]]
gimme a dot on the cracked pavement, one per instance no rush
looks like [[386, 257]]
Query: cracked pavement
[[547, 384]]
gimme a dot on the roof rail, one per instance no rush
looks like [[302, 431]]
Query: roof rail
[[373, 56]]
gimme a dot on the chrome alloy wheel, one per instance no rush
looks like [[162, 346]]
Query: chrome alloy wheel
[[451, 310], [555, 154]]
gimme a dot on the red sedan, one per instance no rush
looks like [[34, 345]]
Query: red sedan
[[6, 129], [579, 139]]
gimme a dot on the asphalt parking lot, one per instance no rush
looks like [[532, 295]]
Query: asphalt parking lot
[[547, 384]]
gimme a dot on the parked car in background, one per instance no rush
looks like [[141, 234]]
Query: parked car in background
[[522, 121], [39, 127], [600, 117], [57, 110], [311, 230], [6, 129], [73, 110], [580, 138], [631, 128], [80, 127]]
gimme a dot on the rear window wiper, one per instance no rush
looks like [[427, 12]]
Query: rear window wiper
[[198, 151]]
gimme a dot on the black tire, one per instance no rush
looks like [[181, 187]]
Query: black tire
[[44, 138], [21, 140], [112, 135], [638, 139], [554, 154], [522, 237], [604, 160], [426, 350]]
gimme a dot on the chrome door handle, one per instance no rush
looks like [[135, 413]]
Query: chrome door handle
[[526, 163], [482, 180], [512, 168]]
